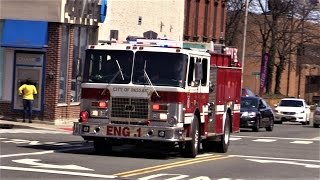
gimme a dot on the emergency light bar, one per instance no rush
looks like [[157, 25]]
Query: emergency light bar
[[157, 43]]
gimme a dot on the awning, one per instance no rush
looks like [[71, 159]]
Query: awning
[[25, 34]]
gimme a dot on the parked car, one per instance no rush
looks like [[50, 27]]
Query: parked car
[[293, 110], [247, 92], [316, 118], [256, 113]]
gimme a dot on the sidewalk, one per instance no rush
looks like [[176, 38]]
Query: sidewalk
[[8, 124]]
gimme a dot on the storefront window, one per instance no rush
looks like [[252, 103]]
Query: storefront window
[[83, 36], [64, 64]]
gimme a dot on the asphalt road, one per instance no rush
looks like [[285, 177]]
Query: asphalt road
[[291, 151]]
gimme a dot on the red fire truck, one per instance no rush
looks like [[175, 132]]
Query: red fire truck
[[156, 92]]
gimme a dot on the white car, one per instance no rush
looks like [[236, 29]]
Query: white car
[[293, 110], [316, 118]]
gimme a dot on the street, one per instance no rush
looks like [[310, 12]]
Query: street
[[290, 151]]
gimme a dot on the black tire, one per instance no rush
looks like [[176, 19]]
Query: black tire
[[270, 127], [102, 146], [191, 148], [223, 145], [315, 125], [257, 127]]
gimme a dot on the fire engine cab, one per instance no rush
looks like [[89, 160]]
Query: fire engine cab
[[157, 92]]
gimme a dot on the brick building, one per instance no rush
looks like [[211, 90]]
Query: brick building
[[301, 76], [56, 32], [188, 20], [45, 42]]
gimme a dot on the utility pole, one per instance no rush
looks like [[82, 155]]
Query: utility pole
[[244, 40], [290, 46], [300, 59]]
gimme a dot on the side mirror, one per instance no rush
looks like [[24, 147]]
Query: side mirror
[[307, 106]]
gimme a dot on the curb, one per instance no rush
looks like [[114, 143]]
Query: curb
[[12, 124]]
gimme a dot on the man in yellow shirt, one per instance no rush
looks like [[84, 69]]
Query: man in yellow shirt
[[27, 90]]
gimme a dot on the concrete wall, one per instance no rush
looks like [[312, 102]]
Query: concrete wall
[[65, 11], [38, 10], [123, 15]]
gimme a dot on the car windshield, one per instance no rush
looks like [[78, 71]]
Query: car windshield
[[291, 103], [249, 102]]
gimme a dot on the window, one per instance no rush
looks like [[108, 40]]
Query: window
[[114, 34], [204, 72], [191, 69], [83, 36], [64, 64]]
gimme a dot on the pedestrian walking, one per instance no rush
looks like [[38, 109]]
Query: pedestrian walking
[[27, 90]]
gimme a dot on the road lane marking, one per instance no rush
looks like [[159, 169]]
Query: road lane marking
[[169, 166], [234, 139], [285, 162], [274, 158], [43, 152], [316, 138], [27, 154], [176, 176], [37, 164], [58, 172], [301, 142], [278, 138], [163, 165], [264, 140], [31, 131]]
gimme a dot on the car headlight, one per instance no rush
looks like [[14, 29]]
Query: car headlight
[[249, 114], [302, 112], [277, 111]]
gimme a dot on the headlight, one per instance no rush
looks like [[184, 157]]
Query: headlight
[[172, 121], [249, 114], [277, 111], [302, 112]]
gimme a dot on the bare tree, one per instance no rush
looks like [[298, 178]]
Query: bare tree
[[281, 24]]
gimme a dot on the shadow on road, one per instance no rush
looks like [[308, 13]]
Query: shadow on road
[[131, 151]]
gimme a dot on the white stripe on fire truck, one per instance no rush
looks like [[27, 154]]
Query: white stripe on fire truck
[[219, 108], [188, 120], [236, 107]]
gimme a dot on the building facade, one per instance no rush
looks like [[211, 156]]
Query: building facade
[[181, 20], [45, 42]]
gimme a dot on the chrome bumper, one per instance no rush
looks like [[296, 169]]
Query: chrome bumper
[[151, 133]]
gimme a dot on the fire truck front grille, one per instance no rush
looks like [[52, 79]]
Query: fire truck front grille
[[129, 108]]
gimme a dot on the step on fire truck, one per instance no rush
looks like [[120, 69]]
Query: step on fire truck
[[157, 92]]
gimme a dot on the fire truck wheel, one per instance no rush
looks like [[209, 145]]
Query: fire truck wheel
[[191, 147], [102, 146], [223, 145]]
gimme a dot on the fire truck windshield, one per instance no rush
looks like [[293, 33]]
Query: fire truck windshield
[[163, 69], [108, 66], [115, 66]]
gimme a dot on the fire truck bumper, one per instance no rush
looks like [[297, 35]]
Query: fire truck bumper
[[151, 133]]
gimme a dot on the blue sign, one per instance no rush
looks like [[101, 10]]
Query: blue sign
[[25, 34], [103, 10]]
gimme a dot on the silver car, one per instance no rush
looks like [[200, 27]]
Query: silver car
[[316, 118]]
